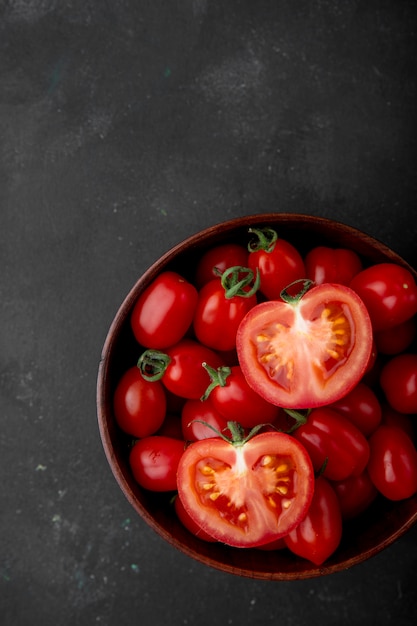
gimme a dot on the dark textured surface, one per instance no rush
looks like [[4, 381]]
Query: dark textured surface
[[126, 126]]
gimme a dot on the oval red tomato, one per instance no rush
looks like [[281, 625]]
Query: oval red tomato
[[361, 406], [332, 265], [399, 382], [154, 462], [389, 293], [164, 311], [396, 339], [194, 413], [392, 464], [218, 259], [333, 443], [318, 536], [308, 352], [249, 494], [355, 494], [139, 405]]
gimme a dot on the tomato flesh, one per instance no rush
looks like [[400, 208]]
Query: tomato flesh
[[250, 494], [309, 353]]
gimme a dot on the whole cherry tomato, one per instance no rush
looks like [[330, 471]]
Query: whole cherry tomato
[[399, 382], [396, 339], [164, 311], [333, 443], [222, 304], [194, 413], [319, 534], [236, 401], [139, 405], [154, 462], [361, 406], [306, 350], [218, 259], [355, 494], [279, 263], [247, 492], [389, 292], [332, 265], [390, 417], [392, 463]]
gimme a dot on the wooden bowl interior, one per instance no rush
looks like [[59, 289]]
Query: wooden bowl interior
[[378, 527]]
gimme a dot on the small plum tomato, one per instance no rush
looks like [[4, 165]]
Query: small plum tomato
[[396, 339], [222, 304], [139, 405], [362, 407], [180, 367], [164, 311], [355, 494], [336, 446], [318, 536], [399, 382], [248, 492], [306, 350], [235, 400], [390, 417], [332, 265], [216, 260], [201, 420], [154, 462], [389, 292], [278, 262], [392, 464]]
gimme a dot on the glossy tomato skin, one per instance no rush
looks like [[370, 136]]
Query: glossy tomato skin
[[392, 464], [318, 536], [216, 260], [237, 401], [246, 495], [355, 494], [399, 382], [194, 412], [335, 443], [277, 268], [332, 265], [154, 462], [309, 353], [389, 293], [139, 405], [164, 311], [185, 375], [362, 407], [217, 317]]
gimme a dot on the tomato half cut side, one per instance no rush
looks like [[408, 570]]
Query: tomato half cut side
[[306, 352], [250, 494]]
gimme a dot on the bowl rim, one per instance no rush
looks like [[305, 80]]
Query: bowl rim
[[225, 228]]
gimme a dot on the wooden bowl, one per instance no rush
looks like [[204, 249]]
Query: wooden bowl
[[377, 528]]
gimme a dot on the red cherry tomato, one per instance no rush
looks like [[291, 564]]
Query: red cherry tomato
[[319, 534], [279, 263], [392, 464], [361, 406], [307, 351], [389, 293], [248, 494], [154, 462], [164, 311], [396, 339], [139, 405], [218, 312], [189, 523], [194, 413], [355, 494], [236, 401], [333, 443], [390, 417], [332, 265], [399, 382], [218, 259]]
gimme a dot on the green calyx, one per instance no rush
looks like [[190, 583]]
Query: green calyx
[[266, 239], [152, 364], [218, 378], [294, 299], [300, 418], [240, 281], [238, 438]]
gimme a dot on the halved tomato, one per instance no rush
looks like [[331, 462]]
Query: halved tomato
[[306, 350], [246, 493]]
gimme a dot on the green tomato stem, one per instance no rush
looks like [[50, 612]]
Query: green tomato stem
[[307, 284], [266, 239], [237, 281], [153, 364]]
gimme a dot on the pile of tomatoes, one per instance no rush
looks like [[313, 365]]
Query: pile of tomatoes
[[275, 392]]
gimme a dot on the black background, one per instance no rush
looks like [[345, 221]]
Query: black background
[[126, 126]]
